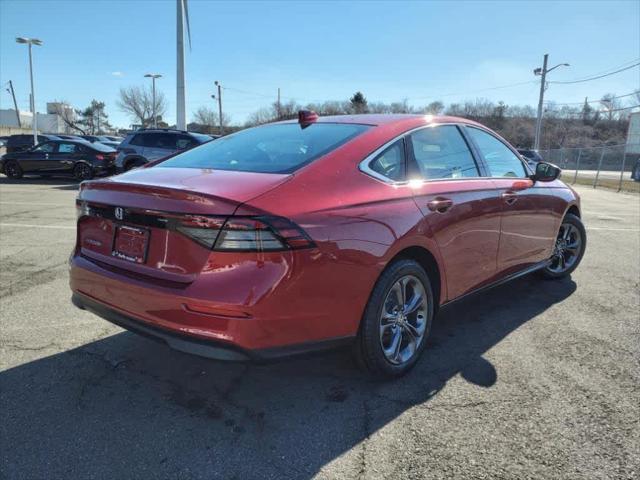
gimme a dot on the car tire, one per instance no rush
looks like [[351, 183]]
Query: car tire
[[82, 171], [566, 259], [12, 169], [135, 163], [369, 347]]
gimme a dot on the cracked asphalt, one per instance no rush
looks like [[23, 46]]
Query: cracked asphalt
[[534, 379]]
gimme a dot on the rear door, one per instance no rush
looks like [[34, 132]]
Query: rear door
[[462, 209], [530, 216], [159, 144], [64, 158]]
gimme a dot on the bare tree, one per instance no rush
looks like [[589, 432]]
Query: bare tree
[[208, 118], [69, 116], [138, 103]]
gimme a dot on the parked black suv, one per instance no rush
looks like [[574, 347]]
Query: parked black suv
[[143, 146], [20, 143]]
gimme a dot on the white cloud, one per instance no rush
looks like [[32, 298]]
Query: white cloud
[[117, 74]]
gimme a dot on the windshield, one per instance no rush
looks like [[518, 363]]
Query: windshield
[[279, 148]]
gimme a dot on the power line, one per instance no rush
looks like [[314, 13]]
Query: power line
[[620, 109], [599, 76], [592, 101]]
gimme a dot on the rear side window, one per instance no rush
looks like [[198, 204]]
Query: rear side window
[[441, 152], [502, 162], [278, 148], [67, 148], [137, 140], [185, 141], [390, 163]]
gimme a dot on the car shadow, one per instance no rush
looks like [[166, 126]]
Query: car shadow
[[127, 407]]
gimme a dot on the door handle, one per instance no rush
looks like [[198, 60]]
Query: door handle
[[510, 197], [440, 204]]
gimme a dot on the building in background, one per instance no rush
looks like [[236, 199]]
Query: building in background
[[50, 122]]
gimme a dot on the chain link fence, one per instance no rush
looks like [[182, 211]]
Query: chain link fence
[[610, 166]]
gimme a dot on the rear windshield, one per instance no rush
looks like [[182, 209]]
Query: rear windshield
[[100, 147], [280, 148]]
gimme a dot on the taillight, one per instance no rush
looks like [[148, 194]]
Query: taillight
[[203, 230], [100, 157], [261, 234], [218, 233], [82, 209]]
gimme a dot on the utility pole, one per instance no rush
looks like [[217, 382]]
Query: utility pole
[[15, 104], [543, 73], [219, 105]]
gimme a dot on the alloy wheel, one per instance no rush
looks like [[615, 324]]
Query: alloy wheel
[[403, 319], [83, 171], [11, 169], [567, 248]]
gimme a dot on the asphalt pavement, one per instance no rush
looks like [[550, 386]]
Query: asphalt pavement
[[534, 379]]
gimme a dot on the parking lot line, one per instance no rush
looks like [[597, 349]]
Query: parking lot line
[[29, 225], [69, 204]]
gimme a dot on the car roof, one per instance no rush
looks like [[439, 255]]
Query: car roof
[[376, 119]]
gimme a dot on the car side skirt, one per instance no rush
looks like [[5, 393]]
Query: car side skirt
[[532, 268]]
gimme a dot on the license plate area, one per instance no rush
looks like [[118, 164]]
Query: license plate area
[[130, 243]]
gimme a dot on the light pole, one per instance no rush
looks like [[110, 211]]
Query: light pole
[[153, 77], [34, 123], [543, 73]]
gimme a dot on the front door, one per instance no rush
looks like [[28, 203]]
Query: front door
[[37, 160], [462, 209], [530, 213]]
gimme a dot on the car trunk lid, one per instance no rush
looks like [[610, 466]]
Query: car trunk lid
[[161, 222]]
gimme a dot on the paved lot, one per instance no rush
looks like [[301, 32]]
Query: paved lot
[[532, 380]]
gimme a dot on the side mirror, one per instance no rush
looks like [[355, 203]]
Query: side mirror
[[546, 172]]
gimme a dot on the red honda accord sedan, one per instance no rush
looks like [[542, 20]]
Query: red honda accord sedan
[[307, 234]]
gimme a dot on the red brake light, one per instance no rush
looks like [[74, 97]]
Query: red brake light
[[306, 117], [100, 157]]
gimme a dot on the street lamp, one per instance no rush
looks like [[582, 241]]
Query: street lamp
[[34, 123], [153, 77], [543, 73]]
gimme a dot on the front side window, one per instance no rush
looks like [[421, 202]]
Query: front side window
[[66, 148], [441, 152], [278, 148], [45, 147], [390, 163], [502, 162]]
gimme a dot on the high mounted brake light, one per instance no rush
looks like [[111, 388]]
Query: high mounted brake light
[[307, 117]]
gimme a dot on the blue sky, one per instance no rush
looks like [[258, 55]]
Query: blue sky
[[316, 51]]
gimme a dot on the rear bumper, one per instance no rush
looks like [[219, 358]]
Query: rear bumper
[[195, 346]]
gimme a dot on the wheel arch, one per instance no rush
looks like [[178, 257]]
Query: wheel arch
[[130, 159], [573, 210], [427, 260]]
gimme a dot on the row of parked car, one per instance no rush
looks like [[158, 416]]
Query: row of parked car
[[86, 156]]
